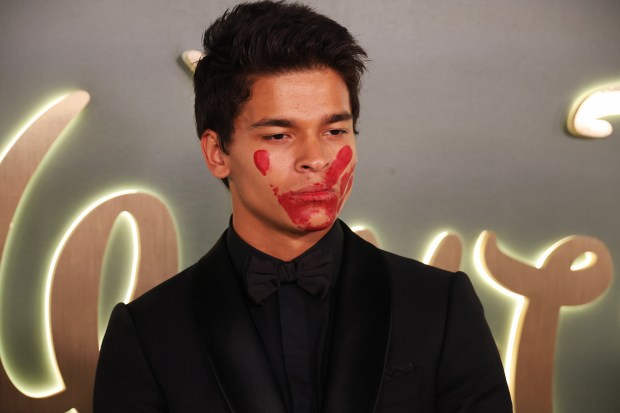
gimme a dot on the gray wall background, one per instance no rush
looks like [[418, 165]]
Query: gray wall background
[[462, 128]]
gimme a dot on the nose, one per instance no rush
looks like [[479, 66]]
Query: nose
[[313, 156]]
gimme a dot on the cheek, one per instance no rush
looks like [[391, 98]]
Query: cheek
[[261, 160], [302, 213], [346, 183], [343, 158]]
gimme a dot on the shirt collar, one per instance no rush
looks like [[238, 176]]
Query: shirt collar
[[240, 251]]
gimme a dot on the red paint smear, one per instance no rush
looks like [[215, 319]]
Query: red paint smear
[[346, 183], [301, 211], [261, 160], [342, 160]]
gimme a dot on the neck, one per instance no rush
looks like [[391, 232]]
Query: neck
[[279, 243]]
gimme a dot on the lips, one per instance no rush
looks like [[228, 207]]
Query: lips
[[319, 196], [303, 204], [313, 193]]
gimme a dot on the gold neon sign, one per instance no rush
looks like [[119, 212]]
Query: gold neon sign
[[585, 119], [72, 281], [573, 271]]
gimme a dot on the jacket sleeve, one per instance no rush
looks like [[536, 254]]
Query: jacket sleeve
[[470, 377], [124, 381]]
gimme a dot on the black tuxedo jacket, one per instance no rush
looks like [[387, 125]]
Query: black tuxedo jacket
[[406, 338]]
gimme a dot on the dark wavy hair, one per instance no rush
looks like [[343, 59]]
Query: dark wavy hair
[[265, 38]]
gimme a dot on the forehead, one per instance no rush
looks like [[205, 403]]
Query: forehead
[[303, 95]]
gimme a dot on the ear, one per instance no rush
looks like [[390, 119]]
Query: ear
[[215, 157]]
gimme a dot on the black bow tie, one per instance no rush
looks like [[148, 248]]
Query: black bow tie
[[312, 273]]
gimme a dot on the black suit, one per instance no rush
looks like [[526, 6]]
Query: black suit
[[406, 338]]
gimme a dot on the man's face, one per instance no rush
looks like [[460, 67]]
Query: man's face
[[292, 155]]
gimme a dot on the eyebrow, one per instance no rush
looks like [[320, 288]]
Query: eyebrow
[[338, 117], [286, 123]]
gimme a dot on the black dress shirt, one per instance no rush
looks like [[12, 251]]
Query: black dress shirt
[[294, 326]]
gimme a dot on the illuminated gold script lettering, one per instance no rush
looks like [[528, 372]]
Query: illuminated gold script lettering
[[73, 278], [559, 279], [445, 252], [585, 118]]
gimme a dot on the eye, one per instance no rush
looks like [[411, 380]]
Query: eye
[[337, 132], [275, 137]]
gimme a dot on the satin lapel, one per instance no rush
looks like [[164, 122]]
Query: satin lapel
[[235, 351], [361, 330]]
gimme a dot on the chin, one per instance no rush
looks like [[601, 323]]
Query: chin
[[316, 225]]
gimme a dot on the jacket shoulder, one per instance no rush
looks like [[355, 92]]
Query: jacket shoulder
[[174, 294], [165, 295], [413, 270], [438, 327]]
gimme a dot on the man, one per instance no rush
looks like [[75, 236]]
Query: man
[[290, 311]]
